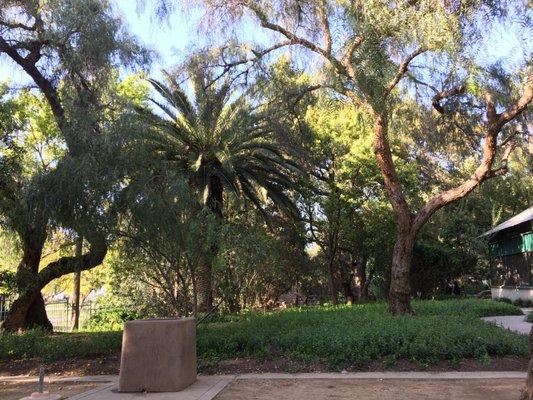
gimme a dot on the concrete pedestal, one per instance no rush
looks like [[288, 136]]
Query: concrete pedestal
[[158, 355]]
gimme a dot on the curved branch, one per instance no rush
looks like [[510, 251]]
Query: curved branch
[[67, 265], [446, 94], [402, 69], [490, 146]]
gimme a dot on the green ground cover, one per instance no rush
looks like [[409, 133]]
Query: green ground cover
[[447, 330]]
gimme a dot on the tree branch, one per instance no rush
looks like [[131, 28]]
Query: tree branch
[[323, 13], [293, 38], [446, 94], [47, 88], [402, 69], [346, 59], [504, 168], [490, 146], [66, 265]]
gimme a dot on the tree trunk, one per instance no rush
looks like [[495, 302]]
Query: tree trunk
[[360, 279], [205, 265], [204, 288], [75, 321], [400, 287], [527, 393], [348, 293], [333, 281], [28, 310]]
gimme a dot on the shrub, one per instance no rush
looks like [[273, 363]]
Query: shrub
[[440, 331], [109, 320], [58, 346], [523, 303], [449, 330]]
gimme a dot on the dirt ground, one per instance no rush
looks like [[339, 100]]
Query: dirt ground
[[110, 365], [372, 389], [15, 391]]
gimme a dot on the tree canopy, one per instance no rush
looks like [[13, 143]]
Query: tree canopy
[[317, 150]]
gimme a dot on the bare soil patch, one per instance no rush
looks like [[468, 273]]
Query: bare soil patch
[[17, 390], [110, 366], [71, 367], [372, 389]]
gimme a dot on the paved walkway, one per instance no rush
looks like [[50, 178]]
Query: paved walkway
[[367, 385], [515, 323]]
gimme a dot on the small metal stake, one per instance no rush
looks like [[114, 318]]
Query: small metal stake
[[41, 380]]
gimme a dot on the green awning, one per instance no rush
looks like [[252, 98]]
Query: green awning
[[518, 244]]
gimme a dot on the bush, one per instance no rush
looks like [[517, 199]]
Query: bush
[[109, 320], [58, 346], [449, 330], [529, 317], [441, 331], [518, 302], [523, 303]]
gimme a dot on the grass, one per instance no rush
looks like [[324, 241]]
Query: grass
[[449, 330]]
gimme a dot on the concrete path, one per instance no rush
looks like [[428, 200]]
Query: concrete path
[[515, 323]]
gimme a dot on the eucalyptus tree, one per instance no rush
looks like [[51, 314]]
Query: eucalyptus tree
[[69, 51], [377, 54], [224, 145]]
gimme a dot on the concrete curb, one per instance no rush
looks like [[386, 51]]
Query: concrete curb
[[392, 375]]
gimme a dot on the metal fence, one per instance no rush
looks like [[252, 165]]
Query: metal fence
[[4, 306], [59, 313]]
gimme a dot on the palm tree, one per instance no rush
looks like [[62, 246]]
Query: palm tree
[[223, 145]]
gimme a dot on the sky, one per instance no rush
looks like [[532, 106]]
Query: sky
[[172, 38]]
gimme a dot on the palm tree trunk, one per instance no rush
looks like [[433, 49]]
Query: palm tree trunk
[[205, 265], [204, 287]]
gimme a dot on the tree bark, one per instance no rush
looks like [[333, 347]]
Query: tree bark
[[333, 279], [399, 292], [527, 393], [361, 280], [204, 287], [29, 311], [204, 273], [400, 287], [77, 288]]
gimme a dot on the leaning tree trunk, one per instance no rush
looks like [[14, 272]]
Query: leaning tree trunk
[[28, 310], [527, 393], [400, 286]]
